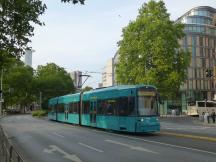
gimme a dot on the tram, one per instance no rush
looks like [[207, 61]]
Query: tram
[[128, 108]]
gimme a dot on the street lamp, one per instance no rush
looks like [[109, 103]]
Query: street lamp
[[1, 94]]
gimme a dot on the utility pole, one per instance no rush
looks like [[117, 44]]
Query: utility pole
[[1, 94], [40, 100], [84, 75]]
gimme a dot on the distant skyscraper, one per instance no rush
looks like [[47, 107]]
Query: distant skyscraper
[[115, 62], [107, 76], [28, 57], [77, 78]]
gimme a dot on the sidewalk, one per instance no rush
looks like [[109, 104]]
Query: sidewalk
[[184, 119], [2, 157]]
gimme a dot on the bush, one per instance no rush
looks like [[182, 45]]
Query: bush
[[39, 113]]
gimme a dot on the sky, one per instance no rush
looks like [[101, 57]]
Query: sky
[[84, 37]]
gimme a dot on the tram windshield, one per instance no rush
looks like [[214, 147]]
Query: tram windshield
[[147, 103]]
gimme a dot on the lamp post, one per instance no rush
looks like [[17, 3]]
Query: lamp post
[[1, 94]]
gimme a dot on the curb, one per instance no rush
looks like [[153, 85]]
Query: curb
[[205, 124], [211, 139]]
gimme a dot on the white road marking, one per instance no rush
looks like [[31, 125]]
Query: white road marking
[[131, 147], [90, 147], [65, 154], [161, 143], [59, 135], [198, 128]]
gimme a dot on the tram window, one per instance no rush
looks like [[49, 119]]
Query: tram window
[[60, 108], [55, 108], [107, 107], [101, 107], [123, 106], [70, 107], [131, 106], [76, 107], [147, 105], [86, 107], [111, 107]]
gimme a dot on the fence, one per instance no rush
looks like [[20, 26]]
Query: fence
[[7, 151]]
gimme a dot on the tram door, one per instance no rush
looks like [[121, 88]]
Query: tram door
[[93, 112], [66, 108]]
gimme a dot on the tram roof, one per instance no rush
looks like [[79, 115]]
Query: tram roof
[[121, 87], [112, 91], [120, 90]]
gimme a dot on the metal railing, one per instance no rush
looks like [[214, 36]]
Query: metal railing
[[7, 151]]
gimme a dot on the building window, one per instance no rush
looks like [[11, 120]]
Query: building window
[[197, 41], [202, 87], [190, 84], [201, 41], [198, 84], [189, 39], [194, 84]]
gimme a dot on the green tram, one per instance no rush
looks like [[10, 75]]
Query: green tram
[[128, 108]]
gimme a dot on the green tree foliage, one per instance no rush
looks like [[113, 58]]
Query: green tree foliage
[[52, 81], [74, 1], [149, 52], [16, 24], [18, 83], [87, 88], [6, 60]]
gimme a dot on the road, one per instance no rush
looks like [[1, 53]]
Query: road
[[39, 140]]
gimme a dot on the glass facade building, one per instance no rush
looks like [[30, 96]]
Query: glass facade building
[[200, 41]]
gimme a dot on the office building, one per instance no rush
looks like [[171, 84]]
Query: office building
[[107, 75], [77, 79], [28, 57], [200, 41]]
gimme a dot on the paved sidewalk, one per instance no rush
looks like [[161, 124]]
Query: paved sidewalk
[[2, 158], [186, 120]]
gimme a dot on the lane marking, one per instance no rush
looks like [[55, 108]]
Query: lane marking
[[185, 128], [161, 143], [90, 147], [190, 136], [59, 135], [131, 147], [54, 148]]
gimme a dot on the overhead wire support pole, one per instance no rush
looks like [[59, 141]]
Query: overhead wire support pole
[[84, 75], [1, 95]]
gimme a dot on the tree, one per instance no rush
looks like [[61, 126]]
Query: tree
[[16, 24], [149, 52], [6, 60], [87, 88], [17, 18], [74, 1], [52, 80], [18, 82]]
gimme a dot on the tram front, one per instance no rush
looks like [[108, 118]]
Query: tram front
[[147, 109]]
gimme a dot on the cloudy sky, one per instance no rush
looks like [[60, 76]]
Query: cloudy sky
[[84, 37]]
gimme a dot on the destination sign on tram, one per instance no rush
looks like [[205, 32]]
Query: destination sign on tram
[[146, 93]]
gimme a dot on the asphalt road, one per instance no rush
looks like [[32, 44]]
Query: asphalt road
[[39, 140]]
